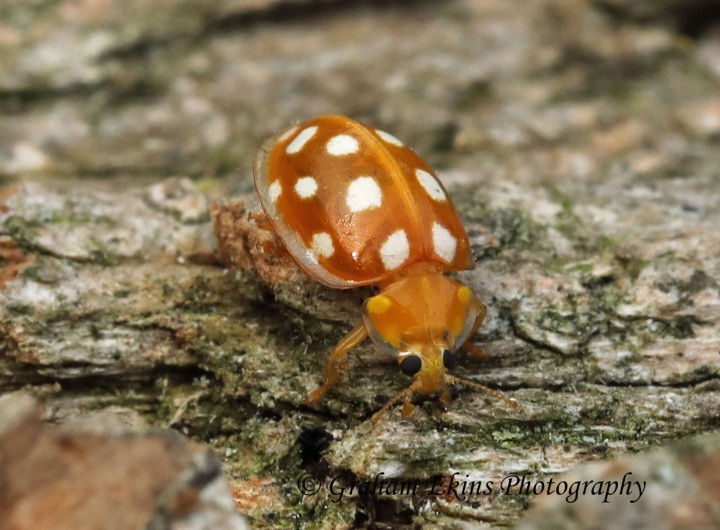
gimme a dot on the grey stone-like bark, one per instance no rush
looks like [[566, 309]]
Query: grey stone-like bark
[[578, 141]]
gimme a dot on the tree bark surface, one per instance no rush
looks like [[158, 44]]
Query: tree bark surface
[[578, 140]]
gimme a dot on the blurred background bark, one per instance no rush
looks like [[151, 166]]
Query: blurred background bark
[[580, 140]]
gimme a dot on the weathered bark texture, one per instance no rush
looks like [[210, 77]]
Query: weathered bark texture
[[580, 141]]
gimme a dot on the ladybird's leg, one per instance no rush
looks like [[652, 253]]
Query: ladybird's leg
[[408, 407], [446, 396], [476, 352], [336, 360]]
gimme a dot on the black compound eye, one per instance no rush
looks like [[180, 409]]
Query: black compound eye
[[411, 364], [450, 359]]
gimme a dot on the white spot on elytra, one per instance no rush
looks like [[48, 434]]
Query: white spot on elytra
[[306, 187], [444, 242], [395, 251], [287, 134], [322, 245], [300, 140], [363, 193], [342, 144], [431, 185], [274, 191], [389, 138]]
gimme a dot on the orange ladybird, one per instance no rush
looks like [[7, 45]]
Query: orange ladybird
[[355, 206]]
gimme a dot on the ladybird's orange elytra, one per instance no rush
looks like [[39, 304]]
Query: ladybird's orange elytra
[[355, 206]]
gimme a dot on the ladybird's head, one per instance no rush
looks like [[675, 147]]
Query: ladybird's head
[[423, 320], [428, 368]]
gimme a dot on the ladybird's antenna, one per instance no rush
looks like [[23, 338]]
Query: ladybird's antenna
[[404, 394], [452, 379]]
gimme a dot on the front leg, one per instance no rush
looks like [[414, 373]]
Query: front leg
[[477, 352], [335, 362]]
